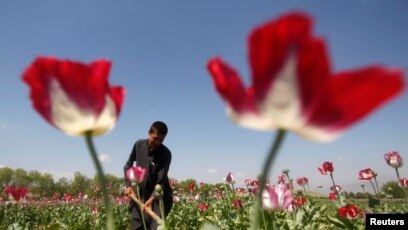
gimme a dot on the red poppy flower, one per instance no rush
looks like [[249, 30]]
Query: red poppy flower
[[74, 97], [302, 181], [327, 168], [16, 193], [366, 174], [293, 86], [202, 207], [299, 201], [191, 187], [350, 211], [332, 196], [237, 204]]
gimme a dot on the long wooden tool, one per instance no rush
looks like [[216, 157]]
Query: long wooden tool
[[148, 210]]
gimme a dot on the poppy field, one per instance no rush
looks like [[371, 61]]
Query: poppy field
[[293, 89], [221, 206]]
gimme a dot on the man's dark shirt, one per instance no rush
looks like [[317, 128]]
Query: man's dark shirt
[[157, 164]]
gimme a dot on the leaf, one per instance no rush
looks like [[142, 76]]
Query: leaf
[[336, 222]]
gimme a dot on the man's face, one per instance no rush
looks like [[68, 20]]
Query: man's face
[[155, 139]]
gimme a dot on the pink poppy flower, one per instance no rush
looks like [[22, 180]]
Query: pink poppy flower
[[277, 198], [96, 188], [281, 179], [74, 97], [95, 210], [173, 183], [404, 182], [366, 174], [136, 174], [302, 181], [327, 168], [108, 185], [67, 198], [293, 86], [393, 159], [350, 211], [248, 182]]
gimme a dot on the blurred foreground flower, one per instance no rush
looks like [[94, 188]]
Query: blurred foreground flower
[[74, 97], [77, 99], [293, 87]]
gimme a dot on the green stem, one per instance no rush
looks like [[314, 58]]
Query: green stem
[[398, 176], [265, 172], [374, 189], [141, 209], [304, 188], [101, 179], [264, 220], [334, 186], [161, 204], [376, 185]]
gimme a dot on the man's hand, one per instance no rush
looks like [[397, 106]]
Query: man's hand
[[129, 191], [148, 204]]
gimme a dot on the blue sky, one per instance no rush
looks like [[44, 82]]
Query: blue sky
[[159, 51]]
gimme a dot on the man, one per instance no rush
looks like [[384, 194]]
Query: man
[[152, 155]]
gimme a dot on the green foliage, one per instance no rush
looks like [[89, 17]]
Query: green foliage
[[220, 212], [393, 189], [60, 216], [42, 185]]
